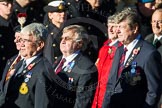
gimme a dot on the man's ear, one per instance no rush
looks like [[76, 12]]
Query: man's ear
[[50, 15], [136, 28], [79, 44], [40, 45]]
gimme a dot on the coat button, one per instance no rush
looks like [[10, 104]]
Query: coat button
[[51, 33]]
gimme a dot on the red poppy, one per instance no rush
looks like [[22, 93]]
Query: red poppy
[[22, 15]]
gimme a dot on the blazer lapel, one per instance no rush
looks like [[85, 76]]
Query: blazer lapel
[[150, 38], [134, 53], [6, 84], [9, 63], [114, 68]]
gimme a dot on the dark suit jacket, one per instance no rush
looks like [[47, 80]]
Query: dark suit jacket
[[145, 92], [76, 86], [150, 39], [37, 95]]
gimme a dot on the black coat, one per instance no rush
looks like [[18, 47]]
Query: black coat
[[7, 45], [52, 45], [34, 11]]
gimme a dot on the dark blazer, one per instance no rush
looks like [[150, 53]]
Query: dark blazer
[[75, 85], [139, 90], [34, 94], [150, 39]]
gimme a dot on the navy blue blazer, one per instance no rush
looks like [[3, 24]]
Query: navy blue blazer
[[139, 90]]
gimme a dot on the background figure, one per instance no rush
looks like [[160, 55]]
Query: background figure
[[145, 9], [27, 85], [77, 76], [32, 8], [135, 76], [156, 37], [56, 18], [7, 46], [104, 61], [11, 63]]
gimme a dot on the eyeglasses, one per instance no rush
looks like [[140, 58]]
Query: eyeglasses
[[25, 40], [156, 21], [66, 38], [5, 3]]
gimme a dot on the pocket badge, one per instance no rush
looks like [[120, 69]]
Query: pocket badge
[[23, 88]]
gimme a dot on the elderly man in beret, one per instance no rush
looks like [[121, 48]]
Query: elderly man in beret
[[57, 16]]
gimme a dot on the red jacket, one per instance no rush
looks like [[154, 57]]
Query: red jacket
[[104, 63]]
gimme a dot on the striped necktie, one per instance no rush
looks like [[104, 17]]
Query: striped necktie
[[59, 67], [11, 69], [121, 62]]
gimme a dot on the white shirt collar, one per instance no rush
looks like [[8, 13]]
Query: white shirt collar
[[28, 61], [130, 47], [70, 58], [157, 37]]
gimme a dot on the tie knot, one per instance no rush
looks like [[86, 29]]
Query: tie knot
[[125, 49], [155, 41], [63, 60], [24, 63]]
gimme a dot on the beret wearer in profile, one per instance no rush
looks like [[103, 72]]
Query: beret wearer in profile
[[146, 1], [55, 6]]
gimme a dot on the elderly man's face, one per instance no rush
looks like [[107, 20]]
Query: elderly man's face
[[68, 45], [112, 27], [29, 46], [17, 40], [5, 9], [157, 23], [125, 33]]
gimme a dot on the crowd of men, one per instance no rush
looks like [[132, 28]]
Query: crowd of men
[[80, 54]]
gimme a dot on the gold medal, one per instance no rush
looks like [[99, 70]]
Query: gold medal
[[23, 88]]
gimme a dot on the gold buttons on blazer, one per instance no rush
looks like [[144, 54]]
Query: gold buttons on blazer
[[54, 45]]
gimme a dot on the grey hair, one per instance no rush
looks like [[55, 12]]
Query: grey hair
[[78, 31], [111, 19], [131, 15], [38, 30]]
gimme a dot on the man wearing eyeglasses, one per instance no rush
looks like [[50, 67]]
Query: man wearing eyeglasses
[[27, 86], [76, 73], [156, 37]]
